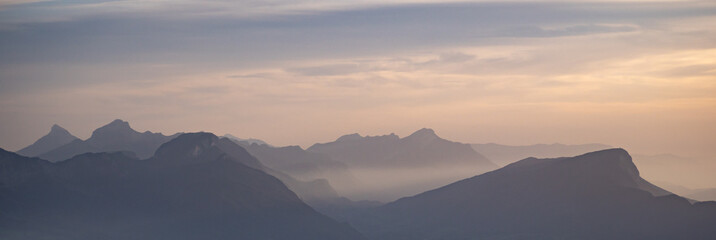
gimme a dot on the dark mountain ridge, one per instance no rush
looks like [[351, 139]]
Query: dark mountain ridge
[[190, 189], [598, 195], [119, 136]]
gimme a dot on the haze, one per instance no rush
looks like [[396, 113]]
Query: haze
[[638, 75]]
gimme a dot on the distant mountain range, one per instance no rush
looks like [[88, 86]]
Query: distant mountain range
[[389, 167], [423, 148], [115, 136], [698, 194], [693, 172], [597, 195], [200, 186], [190, 189], [505, 154]]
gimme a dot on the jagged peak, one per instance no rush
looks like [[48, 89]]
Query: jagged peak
[[424, 133], [187, 145], [116, 126], [118, 122], [349, 137], [58, 130]]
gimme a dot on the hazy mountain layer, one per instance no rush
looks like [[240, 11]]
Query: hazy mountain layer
[[57, 137], [690, 172], [303, 165], [190, 189], [389, 167], [420, 149], [311, 190], [598, 195]]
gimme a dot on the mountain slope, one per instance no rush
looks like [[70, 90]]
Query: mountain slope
[[302, 165], [309, 190], [505, 154], [115, 136], [57, 137], [598, 195], [190, 189]]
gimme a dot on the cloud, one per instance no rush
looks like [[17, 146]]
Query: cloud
[[328, 70], [517, 72]]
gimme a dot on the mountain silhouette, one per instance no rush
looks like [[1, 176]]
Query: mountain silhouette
[[389, 167], [422, 148], [597, 195], [57, 137], [190, 189], [506, 154], [119, 136], [115, 136]]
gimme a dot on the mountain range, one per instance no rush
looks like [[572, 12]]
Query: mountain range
[[389, 167], [189, 189], [119, 136], [423, 148], [115, 136]]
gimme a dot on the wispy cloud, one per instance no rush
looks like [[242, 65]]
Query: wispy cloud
[[312, 70]]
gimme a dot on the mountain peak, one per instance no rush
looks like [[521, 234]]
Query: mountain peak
[[617, 157], [57, 137], [56, 128], [611, 166], [187, 145], [424, 133], [118, 123], [117, 126], [349, 137]]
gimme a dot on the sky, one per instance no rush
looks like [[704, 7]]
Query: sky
[[634, 74]]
